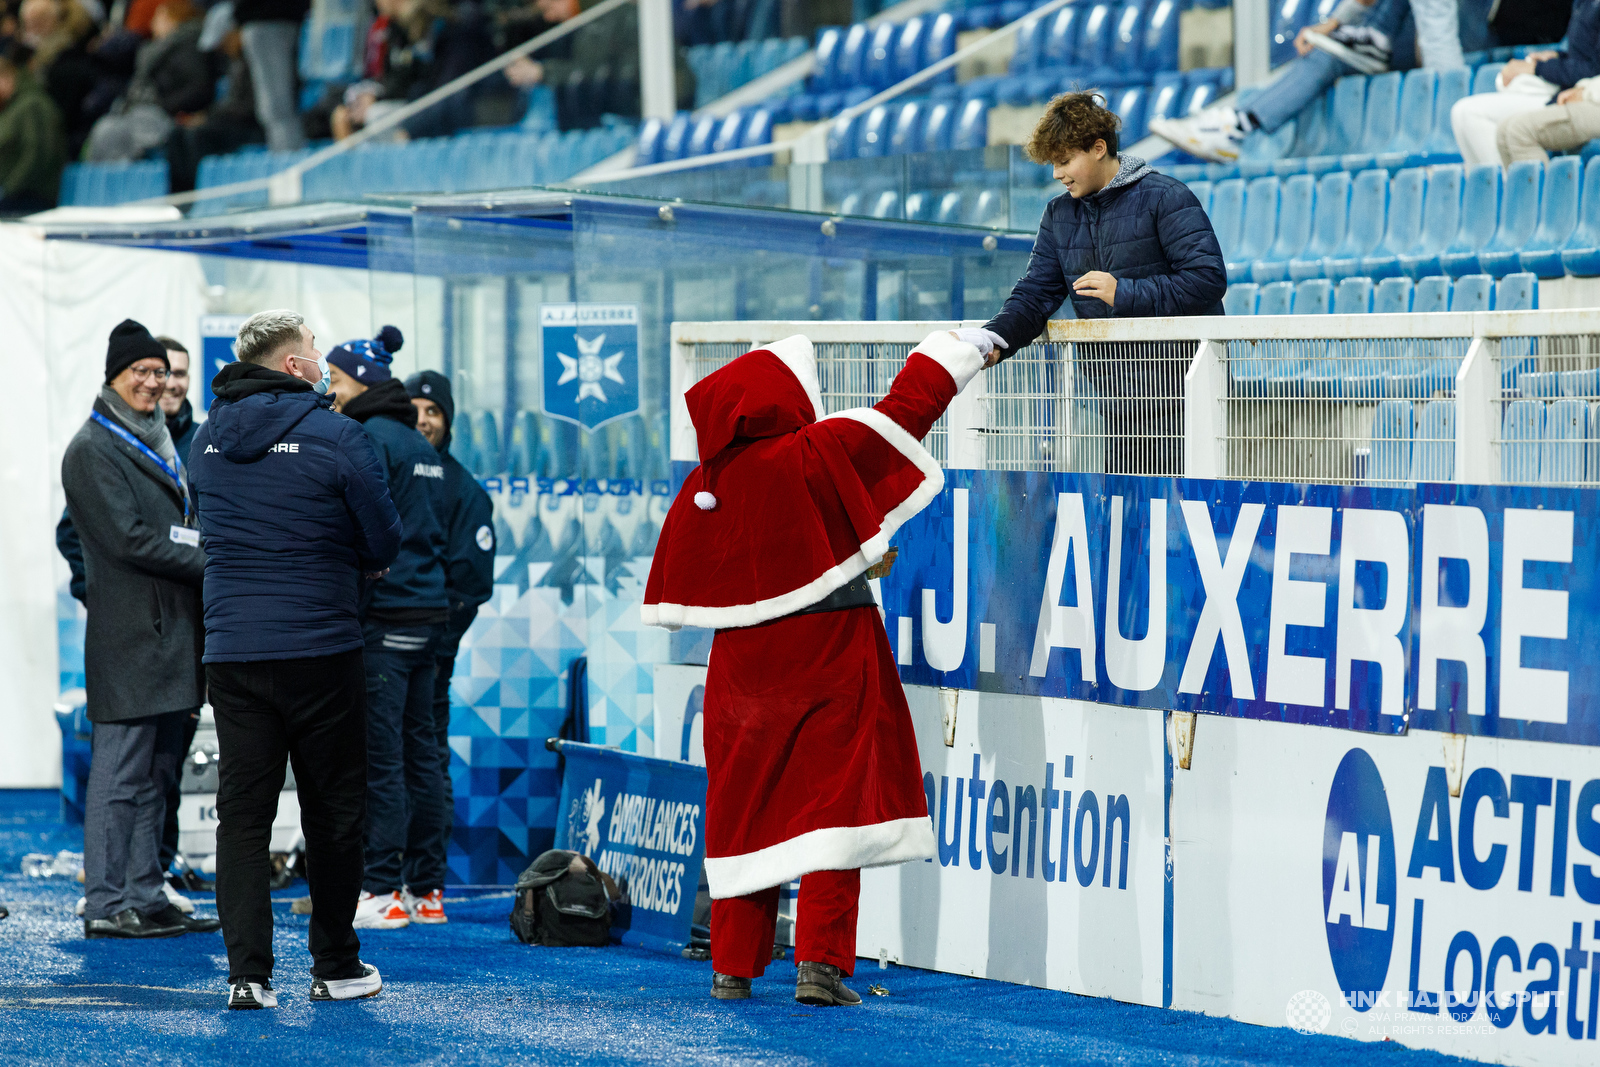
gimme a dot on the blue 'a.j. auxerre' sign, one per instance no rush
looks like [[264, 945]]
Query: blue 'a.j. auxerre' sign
[[642, 819], [1465, 609]]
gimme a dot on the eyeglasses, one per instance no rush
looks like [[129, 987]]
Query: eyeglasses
[[141, 374]]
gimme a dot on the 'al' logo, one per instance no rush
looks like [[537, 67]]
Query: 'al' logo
[[1358, 879]]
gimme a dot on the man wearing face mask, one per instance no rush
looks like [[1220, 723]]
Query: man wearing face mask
[[469, 579], [295, 512]]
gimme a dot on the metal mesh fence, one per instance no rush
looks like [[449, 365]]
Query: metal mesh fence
[[1376, 411], [1547, 422]]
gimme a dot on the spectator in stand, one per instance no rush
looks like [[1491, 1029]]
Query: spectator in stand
[[172, 79], [33, 145], [228, 124], [269, 31], [1528, 85], [1569, 123], [611, 43], [1361, 36], [59, 32]]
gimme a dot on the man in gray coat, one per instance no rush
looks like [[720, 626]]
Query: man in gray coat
[[127, 494]]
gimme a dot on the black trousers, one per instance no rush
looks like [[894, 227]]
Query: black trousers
[[313, 712], [428, 846]]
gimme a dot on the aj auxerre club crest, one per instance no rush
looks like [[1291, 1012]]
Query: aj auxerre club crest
[[591, 362]]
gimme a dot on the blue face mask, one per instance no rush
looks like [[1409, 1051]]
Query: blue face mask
[[320, 387]]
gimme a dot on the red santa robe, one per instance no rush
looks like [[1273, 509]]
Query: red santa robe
[[809, 745]]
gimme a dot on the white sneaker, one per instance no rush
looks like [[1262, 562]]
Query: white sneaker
[[386, 912], [81, 907], [370, 984], [428, 910], [177, 899], [1214, 134], [243, 996]]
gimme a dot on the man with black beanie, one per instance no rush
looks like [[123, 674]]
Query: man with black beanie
[[404, 614], [469, 579], [128, 498]]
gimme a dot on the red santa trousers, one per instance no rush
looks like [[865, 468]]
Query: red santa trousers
[[743, 928]]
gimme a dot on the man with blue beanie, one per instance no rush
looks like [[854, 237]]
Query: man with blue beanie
[[404, 614], [469, 579]]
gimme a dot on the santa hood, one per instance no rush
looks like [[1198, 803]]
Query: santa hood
[[788, 504]]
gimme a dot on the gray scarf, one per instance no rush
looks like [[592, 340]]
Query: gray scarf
[[151, 428], [1129, 170]]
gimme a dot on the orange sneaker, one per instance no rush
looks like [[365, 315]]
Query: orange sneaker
[[383, 912], [428, 909]]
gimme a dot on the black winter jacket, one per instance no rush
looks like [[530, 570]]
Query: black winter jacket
[[416, 579], [1582, 56], [469, 536], [1151, 234], [294, 510]]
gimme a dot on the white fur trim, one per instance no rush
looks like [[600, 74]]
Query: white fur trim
[[705, 501], [834, 848], [959, 358], [801, 359], [677, 616]]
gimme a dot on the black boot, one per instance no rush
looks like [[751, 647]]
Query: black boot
[[729, 987], [129, 923], [194, 924], [822, 984]]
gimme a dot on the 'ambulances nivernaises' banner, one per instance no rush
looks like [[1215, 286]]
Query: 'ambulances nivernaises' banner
[[1465, 609]]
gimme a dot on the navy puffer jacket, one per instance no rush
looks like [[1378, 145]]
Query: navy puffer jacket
[[1144, 229], [293, 508], [1581, 59]]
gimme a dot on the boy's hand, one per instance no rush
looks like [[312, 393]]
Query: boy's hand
[[1097, 283]]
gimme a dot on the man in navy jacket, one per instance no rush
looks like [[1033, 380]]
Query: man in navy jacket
[[294, 510], [1125, 242], [469, 579], [404, 615]]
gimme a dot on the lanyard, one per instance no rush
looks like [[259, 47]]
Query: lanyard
[[175, 472]]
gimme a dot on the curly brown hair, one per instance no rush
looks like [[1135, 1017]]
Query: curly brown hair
[[1073, 122]]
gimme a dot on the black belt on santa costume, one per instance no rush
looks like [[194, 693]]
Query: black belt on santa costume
[[857, 594]]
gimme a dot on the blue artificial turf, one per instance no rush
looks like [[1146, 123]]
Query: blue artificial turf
[[469, 993]]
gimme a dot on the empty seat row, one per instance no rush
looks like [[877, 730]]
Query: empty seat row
[[686, 136], [879, 56], [1554, 441], [917, 126], [1388, 296], [1110, 44], [1412, 442], [719, 69], [102, 184], [1532, 217]]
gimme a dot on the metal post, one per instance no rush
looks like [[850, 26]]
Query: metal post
[[1252, 42], [1205, 398], [1477, 411], [658, 87]]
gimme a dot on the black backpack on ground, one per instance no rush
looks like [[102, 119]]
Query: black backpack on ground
[[563, 899]]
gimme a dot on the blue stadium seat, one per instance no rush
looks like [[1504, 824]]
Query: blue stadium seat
[[647, 150], [886, 205], [1125, 60], [1094, 39], [1240, 299], [1558, 216], [1392, 297], [1403, 233], [1432, 294], [850, 69], [1227, 216], [675, 142], [951, 208], [1483, 78], [972, 126], [1294, 230], [1566, 435], [1433, 450], [1202, 192], [1166, 96], [1415, 122], [1519, 218], [757, 130], [939, 127], [909, 48], [1129, 105], [940, 43], [1441, 143], [1369, 198], [1345, 119], [1480, 216], [1028, 47], [876, 127], [1160, 48], [1199, 95], [1516, 292], [1580, 256], [1061, 37], [1592, 467], [1584, 383], [1353, 297], [1441, 219], [486, 444], [988, 208], [703, 136], [1287, 18], [1314, 296], [877, 69], [843, 134], [729, 132], [1277, 298], [1311, 127], [1471, 293], [1381, 116], [1329, 215], [1392, 433], [905, 132], [1543, 383], [1257, 230]]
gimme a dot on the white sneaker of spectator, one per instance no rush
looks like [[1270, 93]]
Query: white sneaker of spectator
[[385, 912], [177, 899], [1214, 134], [426, 909], [370, 984], [1360, 48]]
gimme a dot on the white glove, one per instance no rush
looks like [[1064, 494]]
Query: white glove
[[986, 341]]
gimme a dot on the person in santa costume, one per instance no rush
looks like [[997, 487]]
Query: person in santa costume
[[810, 752]]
